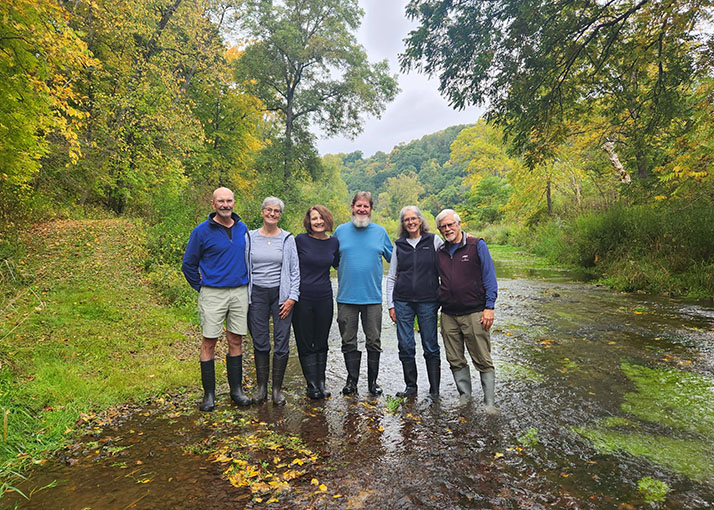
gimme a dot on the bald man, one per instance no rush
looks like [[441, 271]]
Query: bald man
[[215, 264]]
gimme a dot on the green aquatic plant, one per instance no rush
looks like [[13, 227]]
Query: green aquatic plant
[[675, 398], [617, 421], [688, 457], [652, 490], [393, 404], [529, 439], [519, 372]]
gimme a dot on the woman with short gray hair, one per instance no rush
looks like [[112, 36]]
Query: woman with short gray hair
[[274, 290]]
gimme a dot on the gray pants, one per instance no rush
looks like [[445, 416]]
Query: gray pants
[[263, 305], [348, 321]]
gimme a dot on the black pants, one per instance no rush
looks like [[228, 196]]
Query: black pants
[[311, 324]]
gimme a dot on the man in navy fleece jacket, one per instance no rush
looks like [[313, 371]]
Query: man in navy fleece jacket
[[215, 264]]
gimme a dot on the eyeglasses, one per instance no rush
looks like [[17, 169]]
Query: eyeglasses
[[413, 219], [270, 210], [447, 226]]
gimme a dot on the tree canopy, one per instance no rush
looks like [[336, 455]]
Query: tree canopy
[[538, 64], [303, 61]]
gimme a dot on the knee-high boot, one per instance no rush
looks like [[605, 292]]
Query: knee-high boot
[[488, 383], [410, 378], [321, 368], [279, 365], [433, 370], [373, 372], [262, 371], [308, 362], [352, 362], [208, 381], [462, 377], [234, 369]]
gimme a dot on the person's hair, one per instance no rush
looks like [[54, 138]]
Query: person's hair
[[273, 201], [402, 229], [326, 217], [366, 195], [445, 213]]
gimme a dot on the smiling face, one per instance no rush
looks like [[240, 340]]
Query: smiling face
[[450, 229], [412, 223], [223, 203], [361, 213], [271, 214], [317, 223]]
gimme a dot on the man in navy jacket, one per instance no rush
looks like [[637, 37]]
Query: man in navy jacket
[[215, 264], [467, 294]]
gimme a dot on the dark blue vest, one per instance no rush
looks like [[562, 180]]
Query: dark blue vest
[[417, 276]]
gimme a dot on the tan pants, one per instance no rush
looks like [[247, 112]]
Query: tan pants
[[466, 330]]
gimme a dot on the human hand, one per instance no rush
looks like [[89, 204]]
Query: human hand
[[392, 315], [487, 317], [286, 308]]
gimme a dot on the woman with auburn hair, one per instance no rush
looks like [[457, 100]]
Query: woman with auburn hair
[[312, 317]]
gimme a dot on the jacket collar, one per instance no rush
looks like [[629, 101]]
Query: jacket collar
[[212, 219]]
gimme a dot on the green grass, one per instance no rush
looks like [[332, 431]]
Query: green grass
[[81, 331]]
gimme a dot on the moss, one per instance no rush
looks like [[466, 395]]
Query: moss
[[690, 458]]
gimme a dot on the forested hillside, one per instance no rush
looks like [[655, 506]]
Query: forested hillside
[[420, 171]]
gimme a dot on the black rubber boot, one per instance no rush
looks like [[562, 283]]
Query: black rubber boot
[[308, 362], [279, 365], [410, 378], [352, 362], [234, 369], [433, 371], [262, 371], [208, 380], [321, 368], [373, 372]]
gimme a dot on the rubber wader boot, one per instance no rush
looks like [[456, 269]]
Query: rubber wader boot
[[234, 369], [208, 380], [262, 371], [433, 370], [279, 365], [488, 383], [373, 372], [462, 378], [308, 362], [410, 378], [321, 368], [352, 362]]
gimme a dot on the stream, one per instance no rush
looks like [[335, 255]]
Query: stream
[[606, 400]]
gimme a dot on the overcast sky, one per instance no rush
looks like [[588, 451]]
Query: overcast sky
[[418, 110]]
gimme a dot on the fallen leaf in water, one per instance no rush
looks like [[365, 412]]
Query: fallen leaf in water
[[314, 481], [498, 455], [323, 487]]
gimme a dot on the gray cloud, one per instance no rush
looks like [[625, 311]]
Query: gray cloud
[[418, 110]]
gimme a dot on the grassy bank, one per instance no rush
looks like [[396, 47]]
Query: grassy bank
[[81, 330], [657, 249]]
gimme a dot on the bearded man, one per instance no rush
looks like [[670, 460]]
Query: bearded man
[[363, 244]]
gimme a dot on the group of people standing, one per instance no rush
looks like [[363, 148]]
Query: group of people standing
[[245, 278]]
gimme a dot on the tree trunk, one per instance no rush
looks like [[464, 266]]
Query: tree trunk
[[549, 198], [609, 147]]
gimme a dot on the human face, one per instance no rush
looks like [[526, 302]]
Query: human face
[[450, 229], [223, 203], [317, 223], [271, 214], [412, 223], [361, 213]]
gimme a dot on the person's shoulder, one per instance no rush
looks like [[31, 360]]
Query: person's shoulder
[[380, 228]]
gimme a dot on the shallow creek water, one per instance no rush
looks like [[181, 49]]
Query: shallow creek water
[[596, 390]]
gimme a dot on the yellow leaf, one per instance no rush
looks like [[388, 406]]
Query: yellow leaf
[[498, 455], [323, 487], [299, 462], [314, 481], [337, 496], [272, 500]]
